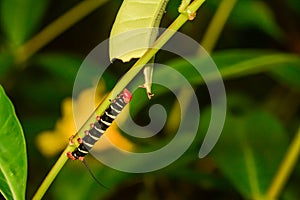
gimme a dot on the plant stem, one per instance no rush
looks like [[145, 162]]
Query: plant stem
[[285, 169], [216, 25], [208, 42], [51, 175], [55, 29], [179, 21]]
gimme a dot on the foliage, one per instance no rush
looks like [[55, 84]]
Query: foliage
[[13, 162], [257, 54]]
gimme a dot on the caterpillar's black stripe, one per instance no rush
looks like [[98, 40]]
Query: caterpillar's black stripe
[[100, 126]]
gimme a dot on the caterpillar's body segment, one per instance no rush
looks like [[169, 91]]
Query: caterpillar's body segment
[[99, 127]]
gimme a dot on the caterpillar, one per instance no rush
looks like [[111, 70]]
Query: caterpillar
[[99, 127]]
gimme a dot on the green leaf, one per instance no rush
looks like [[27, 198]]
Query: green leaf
[[20, 18], [249, 151], [231, 64], [136, 17], [236, 63], [288, 75], [283, 67], [13, 160]]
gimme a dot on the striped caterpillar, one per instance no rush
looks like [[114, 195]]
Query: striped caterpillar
[[99, 127]]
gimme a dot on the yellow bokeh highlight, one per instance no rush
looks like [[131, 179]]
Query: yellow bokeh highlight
[[51, 142]]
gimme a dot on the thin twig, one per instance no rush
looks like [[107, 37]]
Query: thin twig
[[208, 42], [217, 24], [286, 167], [55, 29]]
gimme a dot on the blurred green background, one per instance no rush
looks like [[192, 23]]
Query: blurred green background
[[257, 53]]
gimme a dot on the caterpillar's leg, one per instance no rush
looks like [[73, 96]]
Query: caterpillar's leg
[[81, 158], [70, 155], [71, 143], [71, 140], [79, 140]]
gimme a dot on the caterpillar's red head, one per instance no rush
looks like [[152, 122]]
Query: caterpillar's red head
[[126, 95]]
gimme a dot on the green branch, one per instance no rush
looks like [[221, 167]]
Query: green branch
[[55, 29], [217, 24], [209, 40], [179, 21], [285, 169]]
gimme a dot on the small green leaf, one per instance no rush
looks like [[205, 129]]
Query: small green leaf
[[249, 151], [20, 18], [13, 160]]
